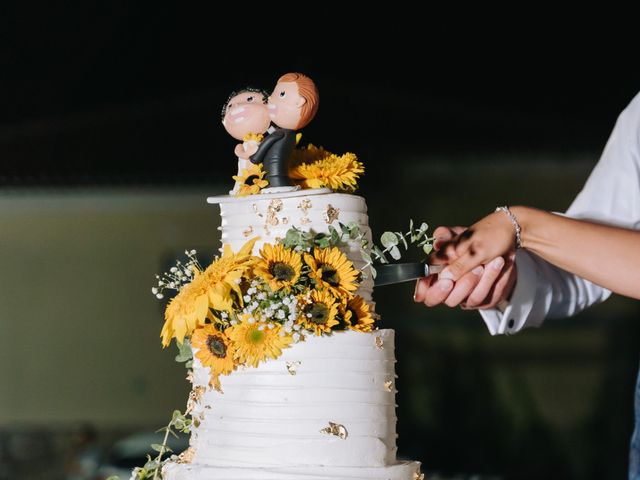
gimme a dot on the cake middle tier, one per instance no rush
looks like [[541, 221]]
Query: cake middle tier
[[269, 218], [326, 401]]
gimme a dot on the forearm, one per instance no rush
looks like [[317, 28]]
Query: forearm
[[608, 256]]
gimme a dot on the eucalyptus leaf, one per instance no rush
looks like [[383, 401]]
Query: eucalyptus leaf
[[184, 351], [428, 248], [388, 239], [395, 253], [159, 448]]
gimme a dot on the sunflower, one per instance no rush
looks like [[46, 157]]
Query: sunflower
[[318, 312], [279, 266], [251, 180], [357, 315], [332, 269], [214, 350], [315, 167], [211, 288], [256, 342]]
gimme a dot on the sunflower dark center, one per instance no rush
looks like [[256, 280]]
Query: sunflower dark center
[[216, 346], [250, 179], [282, 271], [330, 275], [319, 313]]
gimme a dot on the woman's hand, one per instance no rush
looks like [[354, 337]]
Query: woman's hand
[[491, 237]]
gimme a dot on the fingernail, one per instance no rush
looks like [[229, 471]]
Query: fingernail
[[445, 285], [478, 270], [498, 263], [445, 275], [415, 292]]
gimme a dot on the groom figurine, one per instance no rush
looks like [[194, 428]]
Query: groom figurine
[[292, 105]]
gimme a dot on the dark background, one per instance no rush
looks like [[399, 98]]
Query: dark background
[[451, 119]]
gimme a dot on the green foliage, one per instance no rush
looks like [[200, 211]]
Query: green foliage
[[185, 354], [152, 469]]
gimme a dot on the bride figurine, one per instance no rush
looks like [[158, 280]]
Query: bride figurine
[[245, 117]]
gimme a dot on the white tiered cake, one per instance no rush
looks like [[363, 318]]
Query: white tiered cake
[[325, 408]]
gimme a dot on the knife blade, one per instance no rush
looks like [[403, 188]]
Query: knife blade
[[404, 272]]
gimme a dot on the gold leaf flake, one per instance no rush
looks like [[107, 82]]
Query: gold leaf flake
[[379, 342], [305, 206], [292, 367], [187, 455], [388, 385], [255, 209], [336, 429], [305, 221], [418, 476], [190, 376], [274, 207], [331, 213], [248, 232], [194, 397]]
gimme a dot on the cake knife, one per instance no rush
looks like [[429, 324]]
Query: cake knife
[[404, 272]]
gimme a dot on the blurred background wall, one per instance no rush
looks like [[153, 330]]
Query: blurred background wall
[[110, 143]]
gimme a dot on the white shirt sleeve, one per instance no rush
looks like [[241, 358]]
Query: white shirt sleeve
[[611, 195]]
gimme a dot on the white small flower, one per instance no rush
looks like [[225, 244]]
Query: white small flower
[[309, 315], [224, 314], [296, 337], [173, 269], [288, 329], [281, 333], [172, 285], [192, 252], [280, 315], [251, 320], [247, 298], [261, 327], [154, 290], [261, 296], [159, 296]]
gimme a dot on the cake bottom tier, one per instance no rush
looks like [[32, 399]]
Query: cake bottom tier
[[399, 471]]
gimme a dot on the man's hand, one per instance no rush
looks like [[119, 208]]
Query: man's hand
[[484, 287]]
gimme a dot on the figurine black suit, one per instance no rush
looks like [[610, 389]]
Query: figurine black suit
[[274, 153]]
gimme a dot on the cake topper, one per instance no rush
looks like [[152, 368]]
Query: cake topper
[[292, 105], [246, 118]]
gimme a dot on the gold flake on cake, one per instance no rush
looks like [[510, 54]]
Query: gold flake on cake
[[274, 207], [255, 209], [379, 342], [336, 429], [187, 455], [305, 221], [247, 232], [194, 397], [292, 367], [331, 213], [190, 376], [388, 385], [305, 205], [418, 475]]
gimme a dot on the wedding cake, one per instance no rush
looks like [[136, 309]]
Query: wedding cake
[[291, 377]]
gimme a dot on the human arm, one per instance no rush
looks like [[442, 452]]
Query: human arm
[[605, 255]]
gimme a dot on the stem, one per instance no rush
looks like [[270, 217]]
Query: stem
[[164, 443]]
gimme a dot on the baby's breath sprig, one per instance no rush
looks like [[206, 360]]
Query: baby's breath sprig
[[178, 276]]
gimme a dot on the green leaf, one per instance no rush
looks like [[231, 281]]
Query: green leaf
[[113, 477], [184, 351], [395, 253], [388, 239], [160, 448], [427, 248]]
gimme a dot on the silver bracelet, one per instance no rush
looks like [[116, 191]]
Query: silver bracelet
[[516, 225]]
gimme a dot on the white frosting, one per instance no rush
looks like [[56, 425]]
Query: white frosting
[[269, 217]]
